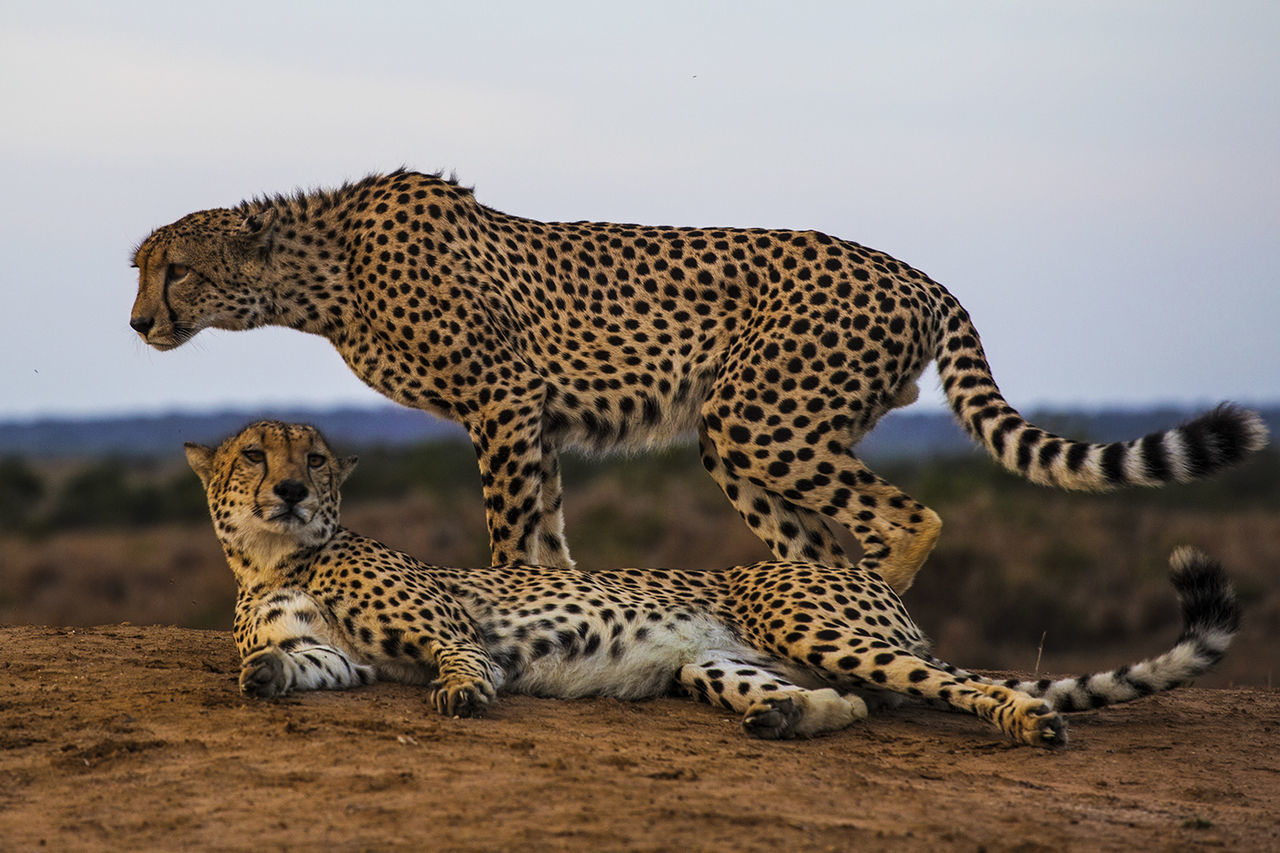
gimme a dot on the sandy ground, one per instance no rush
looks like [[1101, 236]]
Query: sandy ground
[[127, 737]]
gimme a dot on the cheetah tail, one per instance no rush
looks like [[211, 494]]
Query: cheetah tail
[[1210, 619], [1198, 448]]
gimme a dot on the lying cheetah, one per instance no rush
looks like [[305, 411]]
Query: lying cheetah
[[781, 348], [785, 644]]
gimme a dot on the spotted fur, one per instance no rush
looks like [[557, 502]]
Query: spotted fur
[[780, 348], [787, 645]]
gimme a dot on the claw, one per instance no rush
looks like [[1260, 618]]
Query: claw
[[460, 698]]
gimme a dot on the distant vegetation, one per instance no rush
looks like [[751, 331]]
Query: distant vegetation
[[113, 493], [127, 538], [39, 498]]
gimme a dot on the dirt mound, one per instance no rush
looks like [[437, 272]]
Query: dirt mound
[[127, 737]]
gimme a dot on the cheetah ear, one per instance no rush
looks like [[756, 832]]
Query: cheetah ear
[[344, 467], [256, 227], [200, 458]]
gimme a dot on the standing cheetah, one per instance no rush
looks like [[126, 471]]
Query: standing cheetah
[[780, 348], [785, 644]]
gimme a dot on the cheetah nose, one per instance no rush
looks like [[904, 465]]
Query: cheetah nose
[[142, 325], [290, 491]]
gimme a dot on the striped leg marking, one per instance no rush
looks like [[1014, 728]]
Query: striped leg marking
[[772, 707]]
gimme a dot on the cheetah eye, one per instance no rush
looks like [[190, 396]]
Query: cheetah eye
[[176, 272], [254, 456], [316, 460]]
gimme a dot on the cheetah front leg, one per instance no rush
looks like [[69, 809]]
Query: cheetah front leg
[[286, 645], [466, 683], [772, 707], [509, 449], [553, 549], [299, 664]]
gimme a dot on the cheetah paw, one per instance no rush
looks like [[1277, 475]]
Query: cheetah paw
[[263, 674], [1043, 726], [774, 718], [461, 697]]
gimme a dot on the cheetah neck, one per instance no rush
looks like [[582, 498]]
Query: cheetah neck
[[305, 278], [328, 274], [266, 561]]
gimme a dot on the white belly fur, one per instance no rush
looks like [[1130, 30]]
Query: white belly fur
[[645, 668]]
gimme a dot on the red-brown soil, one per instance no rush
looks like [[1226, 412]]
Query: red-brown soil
[[128, 737]]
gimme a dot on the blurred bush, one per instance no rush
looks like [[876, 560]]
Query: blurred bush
[[21, 493], [120, 492]]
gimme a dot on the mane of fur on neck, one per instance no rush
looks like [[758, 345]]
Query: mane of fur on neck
[[266, 558]]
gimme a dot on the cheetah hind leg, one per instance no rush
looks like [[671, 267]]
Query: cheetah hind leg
[[1021, 716], [897, 533], [791, 532], [801, 713], [772, 707], [780, 500]]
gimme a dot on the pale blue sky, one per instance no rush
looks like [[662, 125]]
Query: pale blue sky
[[1097, 182]]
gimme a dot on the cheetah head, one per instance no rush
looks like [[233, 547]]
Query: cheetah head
[[273, 489], [201, 272]]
